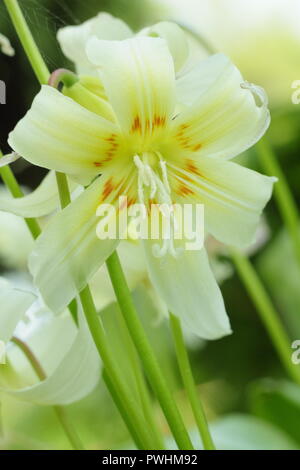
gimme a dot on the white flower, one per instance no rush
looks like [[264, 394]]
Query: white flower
[[181, 134], [66, 353]]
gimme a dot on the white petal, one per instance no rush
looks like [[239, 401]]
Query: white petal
[[194, 82], [226, 116], [132, 259], [139, 80], [190, 291], [13, 305], [77, 368], [233, 196], [68, 252], [5, 46], [175, 37], [73, 39], [42, 201], [59, 134]]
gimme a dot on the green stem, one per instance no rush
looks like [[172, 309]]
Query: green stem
[[101, 342], [146, 354], [267, 312], [140, 382], [60, 412], [122, 410], [37, 63], [286, 203], [189, 383], [63, 189], [15, 190]]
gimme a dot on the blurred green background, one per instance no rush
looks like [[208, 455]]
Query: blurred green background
[[238, 374]]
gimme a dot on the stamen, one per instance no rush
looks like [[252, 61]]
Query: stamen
[[160, 187], [163, 165]]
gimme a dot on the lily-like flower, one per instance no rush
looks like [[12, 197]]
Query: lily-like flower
[[66, 353], [166, 139]]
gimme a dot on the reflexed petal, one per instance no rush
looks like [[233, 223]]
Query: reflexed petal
[[192, 84], [190, 291], [73, 39], [42, 201], [68, 253], [143, 99], [14, 303], [226, 116], [233, 196], [77, 368], [175, 37], [59, 134]]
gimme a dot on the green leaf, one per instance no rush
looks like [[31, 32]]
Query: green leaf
[[244, 432], [279, 403]]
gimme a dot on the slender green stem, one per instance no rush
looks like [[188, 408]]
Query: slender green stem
[[140, 382], [286, 203], [37, 63], [60, 412], [122, 409], [267, 313], [63, 189], [101, 342], [146, 354], [69, 429], [15, 190], [189, 383]]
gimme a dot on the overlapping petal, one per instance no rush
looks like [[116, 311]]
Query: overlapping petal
[[40, 202], [175, 37], [233, 196], [59, 134], [224, 117], [13, 304], [76, 369], [68, 252], [189, 289], [72, 39], [139, 80]]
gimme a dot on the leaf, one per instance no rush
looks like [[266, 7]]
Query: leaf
[[279, 403], [244, 432]]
